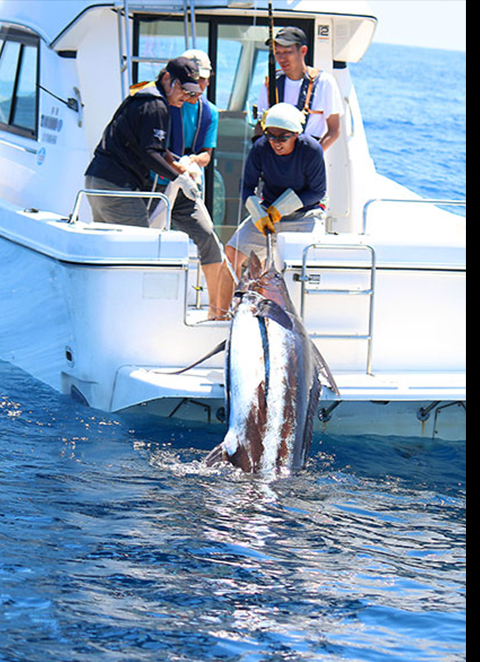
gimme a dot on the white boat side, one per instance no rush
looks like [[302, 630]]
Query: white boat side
[[105, 313]]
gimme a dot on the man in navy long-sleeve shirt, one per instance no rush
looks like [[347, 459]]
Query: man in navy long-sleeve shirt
[[303, 171], [284, 189]]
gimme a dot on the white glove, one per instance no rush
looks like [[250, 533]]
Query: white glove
[[193, 169], [285, 204], [188, 186]]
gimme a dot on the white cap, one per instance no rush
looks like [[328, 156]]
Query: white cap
[[285, 116], [203, 61]]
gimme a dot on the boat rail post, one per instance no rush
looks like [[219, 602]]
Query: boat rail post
[[127, 44], [73, 218], [193, 23]]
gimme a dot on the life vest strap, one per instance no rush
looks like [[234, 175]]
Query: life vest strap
[[311, 75]]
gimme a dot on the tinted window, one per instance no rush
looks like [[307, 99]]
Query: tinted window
[[8, 75], [165, 40], [18, 86], [24, 114]]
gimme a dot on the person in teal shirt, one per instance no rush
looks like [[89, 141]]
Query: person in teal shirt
[[196, 133], [190, 113], [194, 127], [193, 135]]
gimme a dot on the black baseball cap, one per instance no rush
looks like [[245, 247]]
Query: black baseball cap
[[186, 72], [289, 37]]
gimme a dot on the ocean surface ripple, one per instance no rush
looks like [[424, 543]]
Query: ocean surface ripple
[[117, 543]]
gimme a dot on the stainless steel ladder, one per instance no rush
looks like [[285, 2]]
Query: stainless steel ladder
[[124, 37], [305, 278]]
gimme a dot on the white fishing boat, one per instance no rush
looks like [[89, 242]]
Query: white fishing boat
[[106, 312]]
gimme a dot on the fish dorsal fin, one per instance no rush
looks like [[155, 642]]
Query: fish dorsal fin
[[314, 398], [271, 310]]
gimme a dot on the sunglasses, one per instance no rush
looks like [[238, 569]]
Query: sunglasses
[[189, 93], [278, 139]]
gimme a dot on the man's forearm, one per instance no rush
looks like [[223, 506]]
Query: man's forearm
[[333, 132], [203, 158]]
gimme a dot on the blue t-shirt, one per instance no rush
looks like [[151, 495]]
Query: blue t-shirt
[[303, 171], [190, 123]]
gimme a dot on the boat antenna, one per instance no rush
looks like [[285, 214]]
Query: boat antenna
[[272, 78]]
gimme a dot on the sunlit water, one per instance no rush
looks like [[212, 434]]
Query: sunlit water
[[117, 543], [413, 102]]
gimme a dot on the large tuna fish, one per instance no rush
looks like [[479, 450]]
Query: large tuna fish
[[274, 377]]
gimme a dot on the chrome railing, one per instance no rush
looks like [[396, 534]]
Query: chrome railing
[[120, 194], [369, 292]]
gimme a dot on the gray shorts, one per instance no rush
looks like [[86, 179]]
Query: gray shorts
[[247, 238], [186, 217], [125, 211]]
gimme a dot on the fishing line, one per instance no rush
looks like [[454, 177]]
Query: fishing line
[[246, 140], [272, 94]]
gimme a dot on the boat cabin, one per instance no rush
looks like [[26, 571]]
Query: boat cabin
[[65, 67]]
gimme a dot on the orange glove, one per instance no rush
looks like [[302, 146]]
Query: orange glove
[[274, 214], [265, 225]]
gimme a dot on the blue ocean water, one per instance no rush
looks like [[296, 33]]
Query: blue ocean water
[[117, 544], [413, 102]]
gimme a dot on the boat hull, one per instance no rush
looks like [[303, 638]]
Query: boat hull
[[426, 420], [107, 314]]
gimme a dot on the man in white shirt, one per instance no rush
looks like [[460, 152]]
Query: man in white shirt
[[312, 91]]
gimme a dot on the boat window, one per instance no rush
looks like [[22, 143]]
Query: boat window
[[229, 59], [241, 69], [18, 87], [24, 115], [164, 40], [259, 72], [8, 74]]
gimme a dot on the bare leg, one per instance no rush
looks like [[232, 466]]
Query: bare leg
[[212, 273], [226, 285], [237, 259]]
